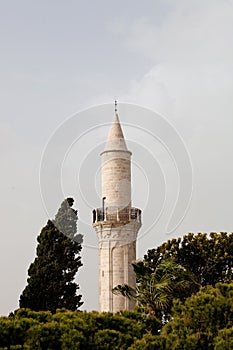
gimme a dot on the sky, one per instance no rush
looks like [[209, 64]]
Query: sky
[[170, 65]]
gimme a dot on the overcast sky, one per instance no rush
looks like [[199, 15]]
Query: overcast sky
[[169, 63]]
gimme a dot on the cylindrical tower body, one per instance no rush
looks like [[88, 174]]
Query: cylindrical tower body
[[116, 223], [116, 179], [116, 169]]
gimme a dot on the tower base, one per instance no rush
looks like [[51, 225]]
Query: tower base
[[117, 250]]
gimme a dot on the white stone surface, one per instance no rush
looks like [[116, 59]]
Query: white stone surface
[[116, 231]]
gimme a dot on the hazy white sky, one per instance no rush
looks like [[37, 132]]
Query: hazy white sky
[[59, 57]]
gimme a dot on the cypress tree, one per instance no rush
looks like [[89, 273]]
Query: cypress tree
[[51, 276]]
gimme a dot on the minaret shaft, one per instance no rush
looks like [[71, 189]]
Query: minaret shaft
[[116, 223], [116, 179]]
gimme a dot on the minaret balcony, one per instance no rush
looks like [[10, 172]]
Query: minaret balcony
[[116, 215]]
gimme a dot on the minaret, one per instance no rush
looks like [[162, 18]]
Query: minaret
[[116, 222]]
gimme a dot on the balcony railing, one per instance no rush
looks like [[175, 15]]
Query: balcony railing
[[113, 214]]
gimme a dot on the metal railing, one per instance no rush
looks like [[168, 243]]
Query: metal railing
[[113, 214]]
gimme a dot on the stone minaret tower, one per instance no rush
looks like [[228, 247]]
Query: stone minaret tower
[[116, 222]]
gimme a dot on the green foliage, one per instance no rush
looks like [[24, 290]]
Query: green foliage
[[148, 342], [204, 321], [73, 340], [108, 339], [50, 283], [224, 339], [67, 330], [45, 336], [195, 261], [12, 330], [40, 317], [172, 274], [209, 258], [166, 278]]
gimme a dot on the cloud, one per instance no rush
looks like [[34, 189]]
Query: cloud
[[197, 31], [190, 53], [190, 83]]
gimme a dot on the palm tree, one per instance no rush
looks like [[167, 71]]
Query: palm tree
[[156, 290]]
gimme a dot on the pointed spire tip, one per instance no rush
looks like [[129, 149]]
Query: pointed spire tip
[[115, 106]]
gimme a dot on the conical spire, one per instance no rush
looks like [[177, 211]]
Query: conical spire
[[115, 140]]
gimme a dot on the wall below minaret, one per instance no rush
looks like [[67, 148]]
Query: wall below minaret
[[117, 250], [124, 274]]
